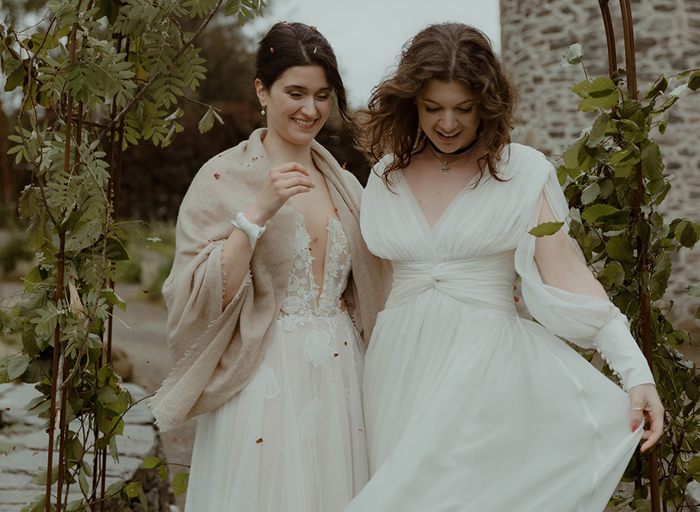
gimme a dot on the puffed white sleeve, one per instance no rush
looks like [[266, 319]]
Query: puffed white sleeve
[[587, 321]]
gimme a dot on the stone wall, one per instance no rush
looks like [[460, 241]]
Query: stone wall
[[534, 36]]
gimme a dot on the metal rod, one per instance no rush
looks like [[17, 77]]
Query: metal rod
[[642, 243], [609, 36]]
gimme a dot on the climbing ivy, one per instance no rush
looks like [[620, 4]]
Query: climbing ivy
[[612, 225]]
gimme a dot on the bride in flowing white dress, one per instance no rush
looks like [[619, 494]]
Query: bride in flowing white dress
[[269, 358], [469, 407]]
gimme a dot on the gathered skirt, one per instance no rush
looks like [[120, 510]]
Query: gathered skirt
[[293, 439]]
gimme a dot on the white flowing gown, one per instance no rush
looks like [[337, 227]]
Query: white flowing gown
[[468, 407], [293, 439]]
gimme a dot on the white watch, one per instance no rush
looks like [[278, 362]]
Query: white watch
[[252, 230]]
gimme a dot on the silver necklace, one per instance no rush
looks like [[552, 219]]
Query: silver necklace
[[446, 165]]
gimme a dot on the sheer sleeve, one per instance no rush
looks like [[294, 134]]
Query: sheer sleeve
[[587, 321]]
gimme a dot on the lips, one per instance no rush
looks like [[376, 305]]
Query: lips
[[304, 123], [447, 138]]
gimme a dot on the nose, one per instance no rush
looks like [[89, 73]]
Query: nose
[[448, 122], [308, 107]]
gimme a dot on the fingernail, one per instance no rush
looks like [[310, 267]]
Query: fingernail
[[634, 429]]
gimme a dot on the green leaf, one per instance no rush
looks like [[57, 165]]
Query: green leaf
[[180, 482], [41, 475], [662, 272], [571, 153], [590, 193], [659, 87], [16, 365], [207, 122], [116, 250], [641, 505], [77, 506], [619, 249], [132, 489], [114, 489], [546, 229], [694, 81], [38, 504], [694, 290], [82, 480], [573, 55], [612, 274], [16, 79], [151, 462], [652, 165], [593, 213]]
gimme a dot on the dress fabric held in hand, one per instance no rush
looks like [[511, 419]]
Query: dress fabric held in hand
[[468, 406]]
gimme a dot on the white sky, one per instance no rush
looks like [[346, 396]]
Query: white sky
[[367, 35]]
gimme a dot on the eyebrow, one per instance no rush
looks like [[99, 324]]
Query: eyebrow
[[427, 100], [301, 87]]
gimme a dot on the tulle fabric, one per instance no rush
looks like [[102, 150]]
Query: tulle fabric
[[469, 407], [293, 440]]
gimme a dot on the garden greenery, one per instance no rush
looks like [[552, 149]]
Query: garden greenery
[[96, 77], [600, 173]]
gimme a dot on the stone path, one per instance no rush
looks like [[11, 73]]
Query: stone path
[[23, 445]]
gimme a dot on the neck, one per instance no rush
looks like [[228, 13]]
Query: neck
[[279, 151], [458, 152]]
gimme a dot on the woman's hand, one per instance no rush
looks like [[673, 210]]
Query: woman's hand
[[282, 182], [646, 403]]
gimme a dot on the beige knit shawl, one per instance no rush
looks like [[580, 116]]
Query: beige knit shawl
[[217, 352]]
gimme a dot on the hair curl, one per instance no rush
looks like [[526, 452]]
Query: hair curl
[[295, 44], [445, 52]]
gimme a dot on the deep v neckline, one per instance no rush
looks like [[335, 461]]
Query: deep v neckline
[[420, 216]]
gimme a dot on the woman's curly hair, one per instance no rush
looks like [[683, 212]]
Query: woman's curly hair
[[446, 52]]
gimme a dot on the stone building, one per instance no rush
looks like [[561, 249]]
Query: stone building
[[535, 35]]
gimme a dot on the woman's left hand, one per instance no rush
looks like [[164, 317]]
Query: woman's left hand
[[646, 403]]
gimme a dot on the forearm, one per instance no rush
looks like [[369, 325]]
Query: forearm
[[235, 262]]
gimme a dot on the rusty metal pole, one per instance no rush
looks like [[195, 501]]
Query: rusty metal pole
[[642, 243], [58, 371]]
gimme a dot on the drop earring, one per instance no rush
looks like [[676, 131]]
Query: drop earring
[[262, 112]]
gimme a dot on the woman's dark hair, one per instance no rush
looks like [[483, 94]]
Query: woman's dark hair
[[446, 52], [294, 44]]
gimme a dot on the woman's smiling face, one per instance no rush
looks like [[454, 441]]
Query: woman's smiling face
[[297, 104], [448, 114]]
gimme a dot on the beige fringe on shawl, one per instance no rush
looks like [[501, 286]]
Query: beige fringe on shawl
[[217, 353]]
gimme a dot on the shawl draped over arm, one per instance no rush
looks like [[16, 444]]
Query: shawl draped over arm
[[217, 350]]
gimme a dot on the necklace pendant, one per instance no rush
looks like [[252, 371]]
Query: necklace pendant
[[445, 168]]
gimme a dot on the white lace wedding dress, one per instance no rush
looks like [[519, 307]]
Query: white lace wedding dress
[[469, 407], [293, 440]]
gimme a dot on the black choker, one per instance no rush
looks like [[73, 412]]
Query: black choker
[[459, 151]]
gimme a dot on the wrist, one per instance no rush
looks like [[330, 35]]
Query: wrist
[[254, 215]]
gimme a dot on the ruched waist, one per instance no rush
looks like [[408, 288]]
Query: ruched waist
[[482, 284]]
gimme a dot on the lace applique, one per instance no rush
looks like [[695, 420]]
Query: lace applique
[[264, 382], [299, 306], [317, 349]]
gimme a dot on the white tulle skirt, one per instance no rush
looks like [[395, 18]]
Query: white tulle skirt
[[480, 411], [293, 440]]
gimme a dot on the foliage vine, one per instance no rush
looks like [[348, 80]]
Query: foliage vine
[[96, 76], [599, 171]]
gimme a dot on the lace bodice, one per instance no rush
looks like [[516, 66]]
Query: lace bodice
[[305, 299]]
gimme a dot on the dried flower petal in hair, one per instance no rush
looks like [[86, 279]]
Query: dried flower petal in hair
[[312, 27]]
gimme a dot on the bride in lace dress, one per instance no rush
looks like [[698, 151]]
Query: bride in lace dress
[[469, 407], [269, 359]]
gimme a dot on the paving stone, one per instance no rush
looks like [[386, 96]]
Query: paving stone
[[24, 443]]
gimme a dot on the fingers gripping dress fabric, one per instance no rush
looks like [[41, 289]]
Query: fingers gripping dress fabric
[[293, 439], [468, 407]]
